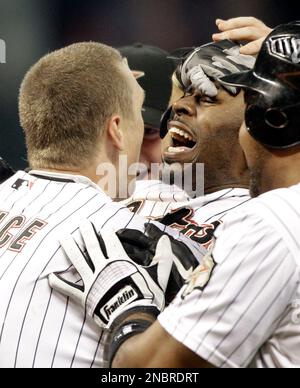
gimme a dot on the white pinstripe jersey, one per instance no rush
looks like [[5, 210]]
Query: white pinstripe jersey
[[158, 191], [38, 327], [196, 218], [245, 310]]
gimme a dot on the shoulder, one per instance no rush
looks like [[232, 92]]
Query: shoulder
[[271, 218], [274, 202], [159, 191]]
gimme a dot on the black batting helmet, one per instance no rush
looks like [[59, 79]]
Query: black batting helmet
[[273, 89]]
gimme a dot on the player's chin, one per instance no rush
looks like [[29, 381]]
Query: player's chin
[[180, 154]]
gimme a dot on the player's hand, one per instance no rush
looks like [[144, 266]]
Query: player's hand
[[192, 74], [247, 29], [113, 285], [139, 247], [142, 248]]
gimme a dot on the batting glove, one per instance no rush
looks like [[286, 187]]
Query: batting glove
[[208, 63], [113, 285], [142, 249]]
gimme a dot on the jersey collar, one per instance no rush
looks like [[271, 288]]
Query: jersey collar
[[67, 178]]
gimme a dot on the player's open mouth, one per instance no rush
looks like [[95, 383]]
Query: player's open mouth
[[182, 141]]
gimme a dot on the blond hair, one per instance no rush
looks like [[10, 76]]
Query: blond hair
[[66, 99]]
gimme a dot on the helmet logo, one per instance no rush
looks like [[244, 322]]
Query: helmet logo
[[285, 47]]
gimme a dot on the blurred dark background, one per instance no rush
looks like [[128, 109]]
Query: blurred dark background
[[32, 28]]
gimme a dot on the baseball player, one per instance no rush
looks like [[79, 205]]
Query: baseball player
[[79, 107], [202, 128], [241, 306], [5, 170], [247, 29]]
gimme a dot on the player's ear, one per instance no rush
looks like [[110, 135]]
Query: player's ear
[[115, 133]]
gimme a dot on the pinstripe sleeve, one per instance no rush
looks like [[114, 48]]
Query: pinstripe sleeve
[[252, 282]]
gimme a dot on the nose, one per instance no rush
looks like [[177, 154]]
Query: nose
[[185, 106]]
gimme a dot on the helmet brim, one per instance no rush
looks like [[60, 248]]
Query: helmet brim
[[246, 80]]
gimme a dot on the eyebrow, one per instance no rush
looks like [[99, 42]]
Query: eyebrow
[[192, 90]]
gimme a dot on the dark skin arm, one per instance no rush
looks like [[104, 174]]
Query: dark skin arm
[[155, 348]]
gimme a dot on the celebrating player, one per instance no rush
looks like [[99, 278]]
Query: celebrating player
[[247, 29], [241, 306], [203, 127]]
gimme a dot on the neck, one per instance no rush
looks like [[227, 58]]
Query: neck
[[73, 171], [220, 178], [228, 169], [229, 185], [286, 165], [103, 175]]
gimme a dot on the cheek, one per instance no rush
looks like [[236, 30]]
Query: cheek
[[140, 137], [213, 118], [230, 113], [208, 126]]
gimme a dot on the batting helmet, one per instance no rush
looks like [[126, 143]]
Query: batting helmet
[[273, 89], [199, 66]]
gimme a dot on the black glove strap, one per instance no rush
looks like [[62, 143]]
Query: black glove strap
[[123, 333]]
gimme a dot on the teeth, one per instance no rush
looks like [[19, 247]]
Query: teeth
[[176, 150], [175, 130], [181, 133]]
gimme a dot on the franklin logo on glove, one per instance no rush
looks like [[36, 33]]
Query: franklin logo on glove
[[124, 298]]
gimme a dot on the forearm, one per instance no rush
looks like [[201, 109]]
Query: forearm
[[155, 348], [147, 350], [129, 353]]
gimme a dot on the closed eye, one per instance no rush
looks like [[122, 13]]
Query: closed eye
[[200, 98], [210, 100]]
